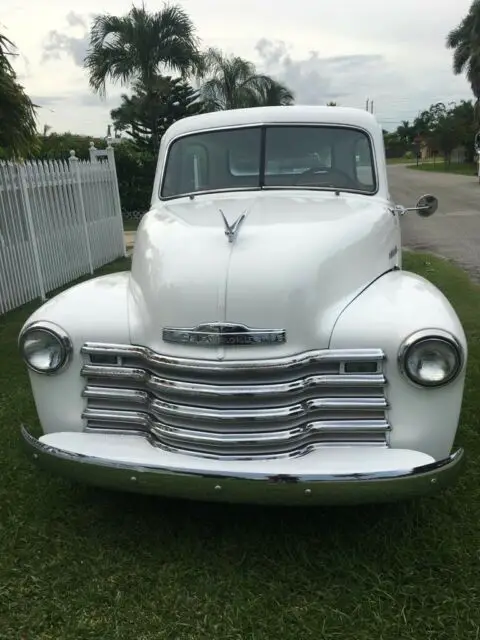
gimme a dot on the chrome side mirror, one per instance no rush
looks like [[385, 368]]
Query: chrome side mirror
[[425, 207]]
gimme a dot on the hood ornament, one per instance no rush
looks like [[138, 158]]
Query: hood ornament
[[231, 231]]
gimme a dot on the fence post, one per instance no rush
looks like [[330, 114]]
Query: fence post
[[75, 168], [28, 210], [91, 151], [113, 167]]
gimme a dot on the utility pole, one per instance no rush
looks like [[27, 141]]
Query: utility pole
[[366, 106]]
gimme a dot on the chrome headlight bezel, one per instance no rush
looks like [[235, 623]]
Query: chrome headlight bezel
[[53, 331], [426, 335]]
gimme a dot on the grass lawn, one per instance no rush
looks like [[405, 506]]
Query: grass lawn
[[79, 563], [462, 168], [130, 225], [398, 160]]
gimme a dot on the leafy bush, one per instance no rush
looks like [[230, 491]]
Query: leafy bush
[[136, 172], [135, 168]]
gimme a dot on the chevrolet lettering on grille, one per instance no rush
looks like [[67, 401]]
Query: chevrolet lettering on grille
[[217, 334]]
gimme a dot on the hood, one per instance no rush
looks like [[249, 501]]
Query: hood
[[296, 263]]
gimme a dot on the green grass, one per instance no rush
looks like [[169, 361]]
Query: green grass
[[130, 225], [462, 168], [398, 160], [78, 563]]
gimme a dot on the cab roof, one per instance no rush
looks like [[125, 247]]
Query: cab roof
[[295, 114]]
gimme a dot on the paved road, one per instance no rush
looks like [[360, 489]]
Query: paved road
[[454, 230]]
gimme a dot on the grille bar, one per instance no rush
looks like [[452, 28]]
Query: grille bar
[[175, 364], [238, 409], [299, 410], [236, 443], [195, 389]]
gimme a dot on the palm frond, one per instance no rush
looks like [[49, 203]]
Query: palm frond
[[18, 126], [464, 40], [232, 83], [141, 45]]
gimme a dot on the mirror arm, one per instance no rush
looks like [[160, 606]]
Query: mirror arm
[[403, 210]]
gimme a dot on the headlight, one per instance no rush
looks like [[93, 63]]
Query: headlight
[[45, 347], [431, 359]]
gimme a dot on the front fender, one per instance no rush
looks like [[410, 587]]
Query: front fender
[[395, 306], [95, 310]]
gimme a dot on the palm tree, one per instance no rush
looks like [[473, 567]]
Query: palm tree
[[139, 45], [272, 93], [233, 82], [464, 39], [405, 132], [18, 129]]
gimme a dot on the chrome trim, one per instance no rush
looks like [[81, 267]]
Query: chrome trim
[[143, 419], [214, 334], [301, 438], [132, 374], [58, 333], [110, 393], [162, 409], [231, 231], [196, 389], [285, 453], [287, 363], [299, 410], [425, 335], [292, 442], [279, 395], [273, 123], [247, 487]]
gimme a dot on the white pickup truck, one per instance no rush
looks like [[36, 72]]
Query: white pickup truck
[[267, 346]]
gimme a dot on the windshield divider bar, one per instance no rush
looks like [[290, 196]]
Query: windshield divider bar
[[263, 138]]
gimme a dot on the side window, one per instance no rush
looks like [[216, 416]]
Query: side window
[[364, 162], [187, 168]]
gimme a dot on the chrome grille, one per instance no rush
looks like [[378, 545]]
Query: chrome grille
[[238, 409]]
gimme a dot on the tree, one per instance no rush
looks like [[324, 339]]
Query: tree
[[271, 93], [233, 82], [332, 104], [53, 146], [18, 130], [406, 132], [465, 117], [464, 40], [140, 45], [147, 114], [441, 127]]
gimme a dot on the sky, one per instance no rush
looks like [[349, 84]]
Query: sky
[[346, 51]]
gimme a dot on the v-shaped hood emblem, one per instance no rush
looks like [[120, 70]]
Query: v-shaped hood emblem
[[231, 231]]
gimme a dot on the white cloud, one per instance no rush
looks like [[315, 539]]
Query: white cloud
[[346, 51]]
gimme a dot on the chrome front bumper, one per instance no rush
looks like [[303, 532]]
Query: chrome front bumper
[[241, 485]]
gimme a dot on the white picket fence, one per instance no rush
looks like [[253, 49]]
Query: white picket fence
[[58, 221]]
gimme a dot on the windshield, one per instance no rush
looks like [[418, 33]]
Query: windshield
[[275, 157]]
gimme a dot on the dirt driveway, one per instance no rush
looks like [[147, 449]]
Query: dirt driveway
[[454, 230]]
